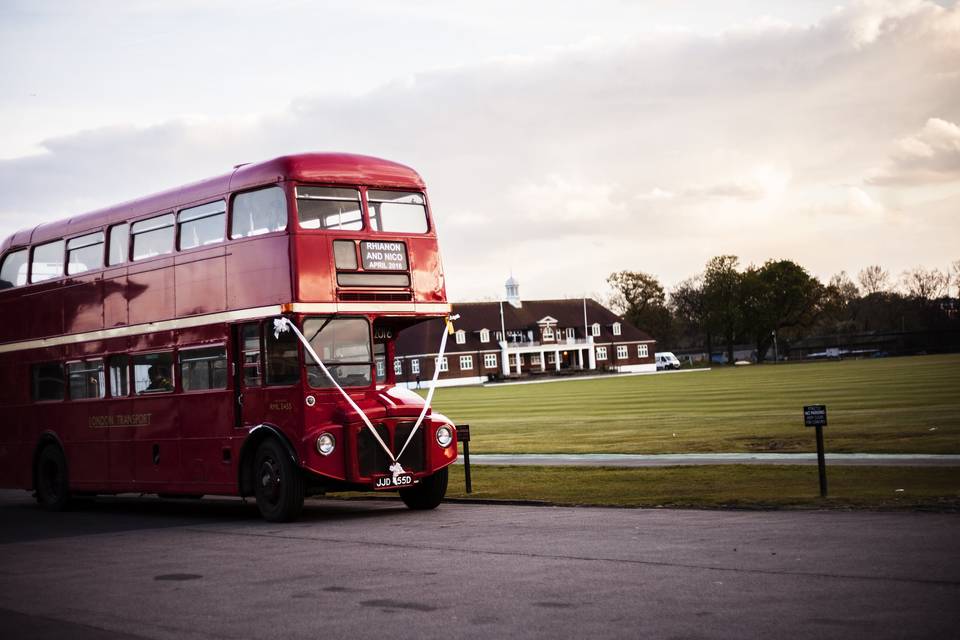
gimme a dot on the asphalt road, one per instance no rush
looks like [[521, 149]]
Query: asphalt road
[[145, 568]]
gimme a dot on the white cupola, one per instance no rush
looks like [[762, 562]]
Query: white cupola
[[513, 292]]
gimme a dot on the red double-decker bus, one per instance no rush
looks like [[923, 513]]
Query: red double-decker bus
[[233, 336]]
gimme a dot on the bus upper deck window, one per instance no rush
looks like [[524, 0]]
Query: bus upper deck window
[[152, 237], [329, 208], [85, 253], [47, 261], [119, 244], [258, 212], [13, 272], [202, 225], [397, 211]]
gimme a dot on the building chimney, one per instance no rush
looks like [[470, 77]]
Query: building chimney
[[513, 292]]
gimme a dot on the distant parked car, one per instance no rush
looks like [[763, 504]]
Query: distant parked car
[[666, 360]]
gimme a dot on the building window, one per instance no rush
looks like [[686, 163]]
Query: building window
[[642, 351], [551, 358], [616, 328], [415, 365], [490, 360], [622, 352], [601, 353], [398, 366], [548, 334], [442, 364], [484, 335], [466, 362], [595, 329], [499, 335], [534, 359], [461, 336]]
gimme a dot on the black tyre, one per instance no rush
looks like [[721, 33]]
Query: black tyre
[[278, 483], [51, 481], [428, 493]]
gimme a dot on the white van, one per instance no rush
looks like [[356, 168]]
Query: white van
[[666, 360]]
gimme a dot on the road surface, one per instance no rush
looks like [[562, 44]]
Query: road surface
[[146, 568]]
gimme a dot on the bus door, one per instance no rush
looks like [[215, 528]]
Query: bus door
[[248, 375]]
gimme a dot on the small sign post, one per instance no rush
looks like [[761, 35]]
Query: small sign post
[[463, 435], [815, 415]]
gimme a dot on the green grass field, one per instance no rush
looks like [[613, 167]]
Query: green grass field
[[718, 486], [889, 405]]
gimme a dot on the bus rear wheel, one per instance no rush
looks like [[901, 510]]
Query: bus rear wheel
[[278, 483], [428, 493], [52, 483]]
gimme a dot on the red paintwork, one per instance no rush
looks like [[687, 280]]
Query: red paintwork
[[196, 433]]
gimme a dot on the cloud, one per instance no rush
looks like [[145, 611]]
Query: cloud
[[615, 154], [931, 155]]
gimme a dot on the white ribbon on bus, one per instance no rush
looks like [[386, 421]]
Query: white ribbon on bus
[[282, 324]]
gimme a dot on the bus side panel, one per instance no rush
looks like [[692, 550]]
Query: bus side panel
[[86, 447], [207, 426], [316, 274], [11, 436], [156, 442], [115, 292], [427, 272], [258, 272], [82, 308], [150, 292], [201, 280], [43, 306], [15, 316]]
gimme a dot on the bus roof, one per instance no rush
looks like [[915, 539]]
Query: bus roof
[[334, 168]]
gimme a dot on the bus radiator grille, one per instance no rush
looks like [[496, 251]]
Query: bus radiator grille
[[413, 458], [373, 459]]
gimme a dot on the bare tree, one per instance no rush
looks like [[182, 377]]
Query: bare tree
[[874, 279], [955, 274], [926, 284]]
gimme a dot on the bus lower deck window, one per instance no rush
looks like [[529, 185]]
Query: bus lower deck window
[[86, 379], [48, 381], [152, 373], [202, 369]]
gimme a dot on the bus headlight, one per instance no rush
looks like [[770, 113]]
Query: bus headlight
[[326, 443], [444, 436]]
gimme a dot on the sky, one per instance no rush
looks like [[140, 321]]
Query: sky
[[560, 141]]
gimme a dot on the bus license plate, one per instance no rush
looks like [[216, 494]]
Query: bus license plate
[[394, 482]]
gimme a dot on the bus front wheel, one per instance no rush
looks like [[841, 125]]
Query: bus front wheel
[[428, 493], [278, 483], [52, 484]]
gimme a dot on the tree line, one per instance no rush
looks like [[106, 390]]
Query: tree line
[[726, 305]]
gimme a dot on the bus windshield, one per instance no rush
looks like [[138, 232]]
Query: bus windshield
[[343, 345]]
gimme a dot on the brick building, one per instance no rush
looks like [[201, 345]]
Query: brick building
[[517, 338]]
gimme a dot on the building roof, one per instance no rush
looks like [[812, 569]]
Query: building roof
[[475, 316]]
